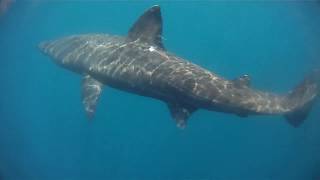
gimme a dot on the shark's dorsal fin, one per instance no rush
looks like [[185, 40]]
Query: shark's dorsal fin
[[148, 28], [91, 91]]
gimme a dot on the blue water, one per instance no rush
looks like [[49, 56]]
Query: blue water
[[44, 133]]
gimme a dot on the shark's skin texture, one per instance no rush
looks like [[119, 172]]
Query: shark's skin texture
[[140, 64]]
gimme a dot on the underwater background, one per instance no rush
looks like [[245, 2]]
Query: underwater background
[[44, 132]]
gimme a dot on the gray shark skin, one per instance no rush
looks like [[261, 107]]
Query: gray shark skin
[[140, 64]]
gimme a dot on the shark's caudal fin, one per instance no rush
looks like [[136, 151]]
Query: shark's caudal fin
[[302, 98]]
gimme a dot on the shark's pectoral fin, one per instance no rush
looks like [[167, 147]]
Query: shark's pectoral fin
[[180, 113], [148, 28], [242, 81], [91, 90]]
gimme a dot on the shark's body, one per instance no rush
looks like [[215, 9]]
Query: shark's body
[[140, 64]]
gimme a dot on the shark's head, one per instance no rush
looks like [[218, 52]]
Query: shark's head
[[73, 52], [59, 51]]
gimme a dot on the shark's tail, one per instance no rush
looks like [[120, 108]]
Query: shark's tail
[[302, 98]]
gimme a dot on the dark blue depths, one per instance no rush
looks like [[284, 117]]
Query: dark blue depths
[[44, 133]]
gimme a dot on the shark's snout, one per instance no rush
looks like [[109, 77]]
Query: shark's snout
[[46, 47], [43, 46]]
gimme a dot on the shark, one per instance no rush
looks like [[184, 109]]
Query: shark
[[140, 64]]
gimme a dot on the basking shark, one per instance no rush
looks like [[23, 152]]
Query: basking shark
[[139, 63]]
